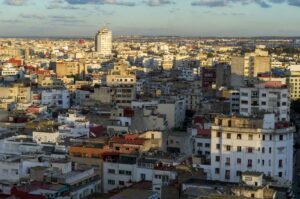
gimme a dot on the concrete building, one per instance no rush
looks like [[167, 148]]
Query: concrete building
[[103, 42], [294, 82], [202, 142], [268, 97], [223, 75], [58, 98], [180, 142], [240, 144], [239, 70], [18, 92], [174, 111], [69, 68], [245, 68]]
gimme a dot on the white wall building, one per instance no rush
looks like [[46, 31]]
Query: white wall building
[[58, 98], [270, 97], [240, 144]]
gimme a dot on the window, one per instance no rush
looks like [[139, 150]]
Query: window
[[280, 163], [249, 163], [270, 137], [244, 94], [263, 103], [207, 145], [227, 161], [263, 149], [229, 124], [228, 135], [217, 170], [244, 102], [128, 173], [228, 148], [217, 158], [143, 176], [218, 134], [239, 161], [250, 137], [111, 171], [227, 174], [280, 137], [111, 182], [239, 149], [263, 137], [263, 162], [199, 144], [239, 136], [270, 150], [250, 150], [280, 174], [283, 104], [264, 95], [121, 183], [217, 146], [238, 173], [122, 172]]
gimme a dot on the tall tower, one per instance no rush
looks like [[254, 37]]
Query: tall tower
[[103, 41]]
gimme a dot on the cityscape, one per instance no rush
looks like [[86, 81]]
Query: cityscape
[[165, 115]]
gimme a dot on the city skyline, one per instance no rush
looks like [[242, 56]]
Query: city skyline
[[203, 18]]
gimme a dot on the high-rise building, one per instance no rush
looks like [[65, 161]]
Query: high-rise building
[[103, 41]]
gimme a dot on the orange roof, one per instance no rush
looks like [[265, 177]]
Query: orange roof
[[274, 84]]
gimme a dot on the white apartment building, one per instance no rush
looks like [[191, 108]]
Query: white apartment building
[[103, 42], [174, 111], [294, 81], [10, 70], [58, 98], [71, 118], [202, 142], [81, 183], [240, 144], [234, 96], [269, 97], [130, 169]]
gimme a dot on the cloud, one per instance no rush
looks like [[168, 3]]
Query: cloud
[[15, 2], [32, 16], [157, 2], [11, 21], [66, 20], [294, 2], [57, 6], [110, 2], [226, 3]]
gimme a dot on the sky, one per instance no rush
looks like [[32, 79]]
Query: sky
[[83, 18]]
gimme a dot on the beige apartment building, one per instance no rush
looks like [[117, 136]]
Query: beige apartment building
[[18, 92], [249, 66], [70, 68]]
